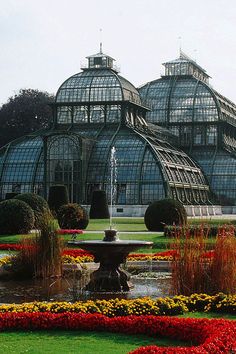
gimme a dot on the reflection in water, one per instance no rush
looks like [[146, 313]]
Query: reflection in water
[[71, 289]]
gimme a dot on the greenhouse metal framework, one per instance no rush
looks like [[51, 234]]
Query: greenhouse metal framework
[[203, 121], [175, 137]]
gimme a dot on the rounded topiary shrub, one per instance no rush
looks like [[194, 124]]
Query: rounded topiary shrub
[[16, 217], [164, 212], [72, 216], [99, 207], [38, 204], [58, 196]]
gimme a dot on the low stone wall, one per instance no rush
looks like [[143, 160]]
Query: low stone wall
[[139, 210], [164, 266]]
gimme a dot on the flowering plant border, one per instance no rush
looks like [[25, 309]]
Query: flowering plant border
[[208, 336], [176, 305]]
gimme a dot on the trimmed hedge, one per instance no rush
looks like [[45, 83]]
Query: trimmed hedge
[[164, 212], [38, 204], [207, 230], [99, 207], [16, 217], [58, 196], [72, 216]]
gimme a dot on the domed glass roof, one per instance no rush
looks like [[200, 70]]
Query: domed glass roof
[[97, 83]]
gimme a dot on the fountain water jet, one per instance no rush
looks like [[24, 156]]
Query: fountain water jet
[[110, 252]]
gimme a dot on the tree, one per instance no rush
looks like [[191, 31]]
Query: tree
[[25, 113]]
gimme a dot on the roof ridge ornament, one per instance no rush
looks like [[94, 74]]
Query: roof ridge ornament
[[100, 51]]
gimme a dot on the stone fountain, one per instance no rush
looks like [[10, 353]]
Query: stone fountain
[[110, 252]]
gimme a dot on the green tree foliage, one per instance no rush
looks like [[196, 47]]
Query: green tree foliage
[[25, 113]]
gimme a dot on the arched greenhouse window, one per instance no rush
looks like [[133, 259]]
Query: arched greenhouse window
[[63, 160]]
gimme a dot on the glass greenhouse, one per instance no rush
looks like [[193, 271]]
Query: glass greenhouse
[[154, 132], [203, 121]]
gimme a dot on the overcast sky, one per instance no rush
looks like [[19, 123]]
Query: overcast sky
[[44, 42]]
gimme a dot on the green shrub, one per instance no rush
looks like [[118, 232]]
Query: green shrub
[[72, 216], [58, 196], [16, 217], [38, 204], [99, 207], [164, 212]]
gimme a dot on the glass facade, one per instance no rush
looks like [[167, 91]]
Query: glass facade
[[203, 121], [98, 109]]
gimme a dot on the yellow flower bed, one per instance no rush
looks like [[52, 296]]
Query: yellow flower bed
[[5, 260], [143, 306], [81, 259]]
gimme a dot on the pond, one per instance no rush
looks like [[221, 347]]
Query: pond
[[71, 289]]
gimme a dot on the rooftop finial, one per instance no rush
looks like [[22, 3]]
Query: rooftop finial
[[180, 45], [100, 40]]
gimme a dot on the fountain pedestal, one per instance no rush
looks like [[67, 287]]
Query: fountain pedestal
[[109, 277], [110, 253]]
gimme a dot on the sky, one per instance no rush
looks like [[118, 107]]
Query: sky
[[45, 42]]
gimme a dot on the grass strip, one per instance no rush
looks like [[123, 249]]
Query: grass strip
[[41, 342]]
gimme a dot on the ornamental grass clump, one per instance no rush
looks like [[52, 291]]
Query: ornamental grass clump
[[223, 266], [41, 254], [48, 262], [193, 272], [189, 268]]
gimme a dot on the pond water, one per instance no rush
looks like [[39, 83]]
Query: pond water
[[69, 289]]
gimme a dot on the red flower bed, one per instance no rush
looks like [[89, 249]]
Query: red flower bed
[[76, 253], [10, 246], [81, 253], [208, 336], [69, 231]]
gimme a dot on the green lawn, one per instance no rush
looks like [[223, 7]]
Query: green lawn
[[121, 224], [208, 315], [126, 225], [160, 243], [71, 342]]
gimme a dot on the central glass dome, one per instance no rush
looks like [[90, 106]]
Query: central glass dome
[[99, 82]]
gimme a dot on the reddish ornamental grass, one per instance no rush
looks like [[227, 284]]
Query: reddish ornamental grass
[[204, 336]]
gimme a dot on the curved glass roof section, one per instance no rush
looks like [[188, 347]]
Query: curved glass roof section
[[22, 165], [179, 99], [97, 85], [152, 169], [184, 95]]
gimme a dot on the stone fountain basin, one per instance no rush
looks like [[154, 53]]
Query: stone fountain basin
[[110, 254], [102, 249]]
